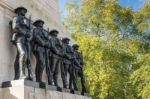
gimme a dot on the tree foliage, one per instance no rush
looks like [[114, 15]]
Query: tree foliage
[[115, 42]]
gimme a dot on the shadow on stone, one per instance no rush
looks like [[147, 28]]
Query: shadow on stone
[[6, 84], [59, 89], [42, 85]]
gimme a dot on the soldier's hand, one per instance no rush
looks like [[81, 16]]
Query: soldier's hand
[[47, 45], [71, 58], [82, 63], [80, 66], [60, 54], [28, 35]]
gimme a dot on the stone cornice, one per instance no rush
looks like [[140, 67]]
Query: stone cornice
[[5, 5]]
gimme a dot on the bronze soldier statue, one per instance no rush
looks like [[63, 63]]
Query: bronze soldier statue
[[21, 27], [66, 65], [78, 62], [55, 55], [72, 71], [40, 45]]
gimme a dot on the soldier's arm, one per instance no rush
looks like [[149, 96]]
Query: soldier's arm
[[82, 61], [77, 63], [67, 53], [66, 56], [47, 41], [38, 39], [17, 25], [53, 47]]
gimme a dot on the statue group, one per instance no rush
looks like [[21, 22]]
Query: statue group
[[51, 53]]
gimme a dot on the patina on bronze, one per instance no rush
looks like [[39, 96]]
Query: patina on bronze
[[79, 69], [55, 55], [21, 28], [66, 65], [40, 45], [49, 51]]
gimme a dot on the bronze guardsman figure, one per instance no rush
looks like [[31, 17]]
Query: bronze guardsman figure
[[66, 65], [79, 69], [21, 27], [55, 55], [40, 45]]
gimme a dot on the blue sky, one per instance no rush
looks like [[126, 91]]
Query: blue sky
[[134, 4]]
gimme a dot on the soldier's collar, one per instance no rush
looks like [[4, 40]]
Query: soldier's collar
[[39, 27]]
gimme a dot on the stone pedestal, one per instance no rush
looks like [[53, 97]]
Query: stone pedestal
[[22, 89]]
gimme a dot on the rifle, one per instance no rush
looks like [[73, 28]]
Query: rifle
[[30, 28], [30, 70], [48, 69], [30, 23], [75, 61]]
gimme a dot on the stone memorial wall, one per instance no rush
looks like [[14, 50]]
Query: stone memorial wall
[[48, 11]]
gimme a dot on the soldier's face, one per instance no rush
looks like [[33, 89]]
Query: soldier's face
[[76, 48], [67, 41], [22, 12], [55, 34], [40, 24]]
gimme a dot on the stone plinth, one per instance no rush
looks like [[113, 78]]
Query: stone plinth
[[22, 89]]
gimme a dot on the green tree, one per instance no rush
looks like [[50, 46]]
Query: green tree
[[140, 77], [115, 42], [107, 68]]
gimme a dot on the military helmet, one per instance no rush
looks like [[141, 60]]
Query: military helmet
[[54, 31], [36, 23], [65, 39], [75, 46], [17, 10]]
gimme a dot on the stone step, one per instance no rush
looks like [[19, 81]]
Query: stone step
[[24, 89]]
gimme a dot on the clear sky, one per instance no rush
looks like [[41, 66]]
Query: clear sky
[[134, 4]]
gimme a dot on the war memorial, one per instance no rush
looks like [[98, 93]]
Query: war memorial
[[38, 58]]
